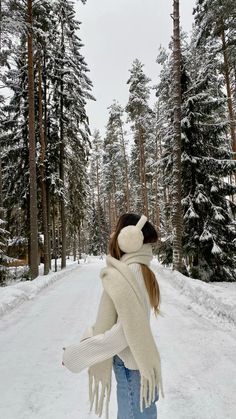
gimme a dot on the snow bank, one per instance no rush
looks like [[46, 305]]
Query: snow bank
[[13, 295], [216, 300]]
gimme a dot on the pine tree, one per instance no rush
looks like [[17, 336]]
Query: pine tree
[[138, 111], [100, 212], [15, 146], [21, 80], [97, 240], [96, 180], [215, 20], [209, 226], [165, 135], [206, 163], [55, 64], [115, 166], [77, 181], [165, 94], [151, 159], [71, 89]]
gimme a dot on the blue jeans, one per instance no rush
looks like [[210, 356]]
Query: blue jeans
[[128, 393]]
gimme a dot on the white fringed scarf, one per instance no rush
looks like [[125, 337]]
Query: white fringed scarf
[[121, 293]]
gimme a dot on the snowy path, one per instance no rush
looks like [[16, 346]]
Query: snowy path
[[198, 355]]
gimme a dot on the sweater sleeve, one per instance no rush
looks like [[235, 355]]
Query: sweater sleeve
[[95, 349]]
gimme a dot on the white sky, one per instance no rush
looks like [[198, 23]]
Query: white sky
[[114, 33]]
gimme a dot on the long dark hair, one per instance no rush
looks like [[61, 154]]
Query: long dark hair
[[150, 236]]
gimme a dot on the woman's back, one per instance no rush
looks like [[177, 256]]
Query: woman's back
[[126, 354], [137, 270], [122, 333]]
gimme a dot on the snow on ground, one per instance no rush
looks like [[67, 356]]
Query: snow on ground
[[19, 291], [197, 351], [216, 300]]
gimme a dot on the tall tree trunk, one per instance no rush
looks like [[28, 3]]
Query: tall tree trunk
[[127, 193], [79, 242], [32, 151], [234, 90], [1, 196], [166, 200], [98, 201], [113, 209], [46, 131], [229, 93], [49, 224], [109, 214], [62, 160], [105, 209], [114, 199], [151, 184], [143, 172], [158, 153], [157, 205], [55, 237], [0, 25], [74, 245], [177, 208], [42, 172]]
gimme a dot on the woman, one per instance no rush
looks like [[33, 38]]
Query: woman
[[121, 336]]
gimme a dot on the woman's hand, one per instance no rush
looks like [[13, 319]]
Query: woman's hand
[[87, 335]]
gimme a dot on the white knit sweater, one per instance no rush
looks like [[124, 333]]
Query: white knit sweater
[[98, 348]]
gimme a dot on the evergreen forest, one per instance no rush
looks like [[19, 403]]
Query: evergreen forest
[[63, 186]]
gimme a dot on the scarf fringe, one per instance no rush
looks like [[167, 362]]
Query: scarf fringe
[[148, 387], [98, 395], [98, 391]]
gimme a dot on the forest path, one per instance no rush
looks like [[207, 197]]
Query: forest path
[[198, 355]]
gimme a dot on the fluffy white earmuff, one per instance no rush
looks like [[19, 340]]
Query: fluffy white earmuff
[[130, 238]]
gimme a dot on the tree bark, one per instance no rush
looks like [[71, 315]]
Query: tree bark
[[143, 172], [54, 234], [32, 151], [0, 26], [114, 200], [74, 246], [49, 224], [234, 90], [98, 201], [46, 131], [79, 242], [177, 99], [166, 201], [151, 189], [42, 173], [1, 196], [109, 214], [62, 160], [157, 205], [113, 208], [127, 193]]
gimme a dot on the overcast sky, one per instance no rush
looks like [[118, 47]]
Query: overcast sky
[[114, 33]]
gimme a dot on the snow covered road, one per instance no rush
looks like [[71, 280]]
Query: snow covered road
[[198, 354]]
